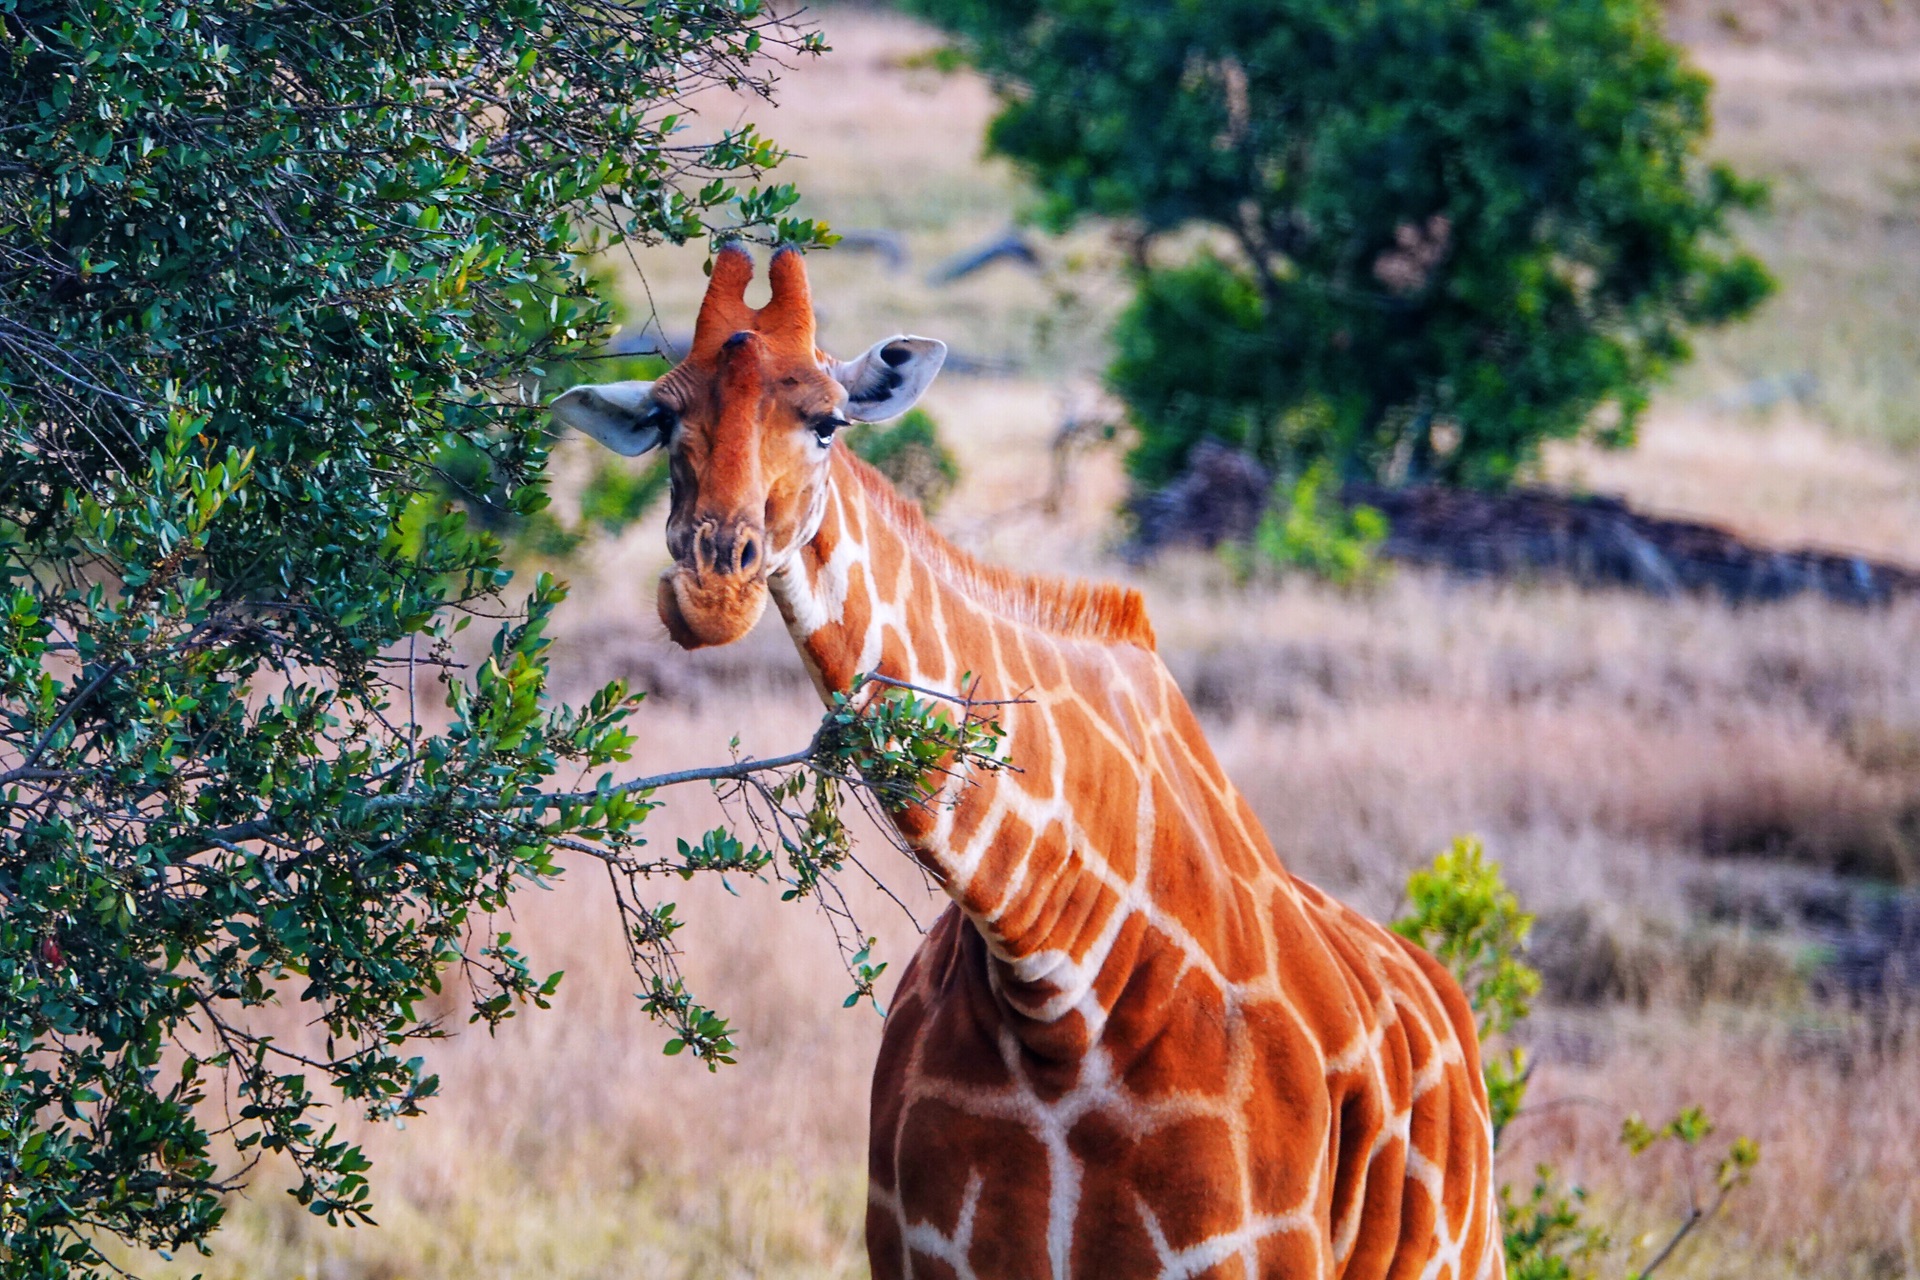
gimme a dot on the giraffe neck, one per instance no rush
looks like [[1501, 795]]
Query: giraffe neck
[[876, 590], [845, 593], [1169, 1050]]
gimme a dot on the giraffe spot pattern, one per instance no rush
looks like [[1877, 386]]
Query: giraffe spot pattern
[[1134, 1044]]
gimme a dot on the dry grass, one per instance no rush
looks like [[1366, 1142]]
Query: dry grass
[[1836, 131], [1617, 753], [1832, 1106], [1429, 708]]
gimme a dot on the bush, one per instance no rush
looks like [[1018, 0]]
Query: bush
[[1307, 528], [261, 268], [1462, 912], [909, 453], [1444, 230]]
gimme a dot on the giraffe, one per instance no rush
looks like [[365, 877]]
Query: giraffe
[[1133, 1044]]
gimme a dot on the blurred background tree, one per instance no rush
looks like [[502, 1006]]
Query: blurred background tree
[[264, 270], [910, 453], [1433, 234]]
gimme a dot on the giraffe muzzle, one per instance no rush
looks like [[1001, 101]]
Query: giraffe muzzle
[[716, 590]]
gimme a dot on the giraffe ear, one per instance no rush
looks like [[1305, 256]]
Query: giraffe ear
[[887, 378], [621, 415]]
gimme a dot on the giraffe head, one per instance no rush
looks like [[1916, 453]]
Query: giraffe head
[[748, 421]]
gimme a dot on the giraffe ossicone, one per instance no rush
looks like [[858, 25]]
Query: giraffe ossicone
[[1134, 1045]]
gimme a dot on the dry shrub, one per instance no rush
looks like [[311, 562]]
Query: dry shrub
[[1586, 961]]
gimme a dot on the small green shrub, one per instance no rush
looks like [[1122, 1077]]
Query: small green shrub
[[910, 454], [1461, 910], [1307, 528]]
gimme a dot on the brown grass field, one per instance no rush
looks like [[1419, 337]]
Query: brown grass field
[[1656, 777]]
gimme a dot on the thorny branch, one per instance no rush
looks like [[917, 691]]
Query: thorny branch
[[890, 749]]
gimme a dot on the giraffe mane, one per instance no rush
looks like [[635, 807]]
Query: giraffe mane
[[1100, 611]]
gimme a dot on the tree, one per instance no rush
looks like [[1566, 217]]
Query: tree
[[1441, 231], [261, 265]]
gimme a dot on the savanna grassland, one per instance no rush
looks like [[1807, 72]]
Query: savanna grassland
[[1669, 785]]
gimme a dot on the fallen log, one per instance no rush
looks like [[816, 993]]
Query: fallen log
[[1599, 540], [1519, 533]]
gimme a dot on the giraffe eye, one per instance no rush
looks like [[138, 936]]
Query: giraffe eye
[[825, 426]]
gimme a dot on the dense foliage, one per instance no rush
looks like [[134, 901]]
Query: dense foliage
[[261, 265], [615, 495], [1440, 231]]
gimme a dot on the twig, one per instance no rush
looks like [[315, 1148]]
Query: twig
[[1696, 1217]]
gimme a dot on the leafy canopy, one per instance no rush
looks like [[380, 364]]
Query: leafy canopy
[[262, 267], [1439, 231]]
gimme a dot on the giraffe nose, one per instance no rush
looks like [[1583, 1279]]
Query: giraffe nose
[[732, 548]]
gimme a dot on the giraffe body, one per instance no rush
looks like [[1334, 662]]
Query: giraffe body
[[1134, 1045]]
